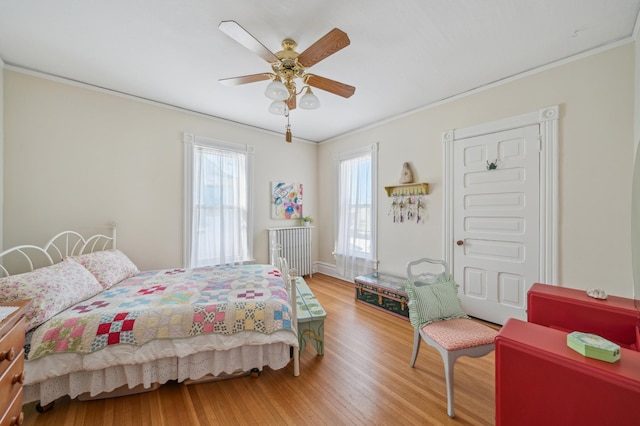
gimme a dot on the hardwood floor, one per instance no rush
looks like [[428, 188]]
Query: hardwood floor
[[363, 378]]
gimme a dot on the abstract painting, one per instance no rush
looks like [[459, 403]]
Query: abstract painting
[[286, 200]]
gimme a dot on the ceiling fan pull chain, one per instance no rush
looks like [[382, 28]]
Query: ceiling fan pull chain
[[287, 135]]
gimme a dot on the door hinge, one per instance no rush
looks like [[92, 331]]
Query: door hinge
[[539, 143]]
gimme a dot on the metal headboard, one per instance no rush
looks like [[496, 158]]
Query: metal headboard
[[26, 257]]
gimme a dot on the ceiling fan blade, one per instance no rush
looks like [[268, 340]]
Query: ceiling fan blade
[[329, 85], [242, 36], [234, 81], [329, 44], [291, 103]]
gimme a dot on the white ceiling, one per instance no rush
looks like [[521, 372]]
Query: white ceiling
[[404, 54]]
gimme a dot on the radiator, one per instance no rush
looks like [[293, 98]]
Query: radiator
[[294, 244]]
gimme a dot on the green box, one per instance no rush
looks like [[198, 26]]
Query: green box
[[593, 346], [382, 291]]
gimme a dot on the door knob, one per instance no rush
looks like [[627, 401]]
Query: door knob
[[459, 242]]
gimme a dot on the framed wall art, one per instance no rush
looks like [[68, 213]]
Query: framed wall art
[[286, 200]]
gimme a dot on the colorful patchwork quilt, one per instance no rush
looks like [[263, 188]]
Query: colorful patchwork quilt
[[170, 304]]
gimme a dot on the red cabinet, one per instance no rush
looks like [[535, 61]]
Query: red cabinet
[[540, 380], [615, 318]]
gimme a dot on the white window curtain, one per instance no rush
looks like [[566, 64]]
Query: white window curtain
[[218, 198], [355, 247]]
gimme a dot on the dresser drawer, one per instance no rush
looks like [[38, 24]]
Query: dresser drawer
[[11, 380], [11, 344], [14, 415], [12, 336]]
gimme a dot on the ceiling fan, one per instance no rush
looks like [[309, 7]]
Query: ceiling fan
[[287, 66]]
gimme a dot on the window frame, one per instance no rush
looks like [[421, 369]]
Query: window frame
[[338, 159], [191, 143]]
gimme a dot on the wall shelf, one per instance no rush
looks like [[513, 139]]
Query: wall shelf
[[421, 188]]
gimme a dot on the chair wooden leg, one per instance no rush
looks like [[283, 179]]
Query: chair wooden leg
[[416, 346], [449, 362], [450, 358]]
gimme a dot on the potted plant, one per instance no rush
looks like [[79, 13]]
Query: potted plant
[[306, 220]]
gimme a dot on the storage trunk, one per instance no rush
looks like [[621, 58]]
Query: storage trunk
[[383, 291]]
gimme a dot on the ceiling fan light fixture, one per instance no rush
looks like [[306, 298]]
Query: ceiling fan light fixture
[[277, 91], [289, 65], [309, 100], [278, 108]]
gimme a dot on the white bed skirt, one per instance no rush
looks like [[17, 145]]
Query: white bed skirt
[[196, 366], [52, 377]]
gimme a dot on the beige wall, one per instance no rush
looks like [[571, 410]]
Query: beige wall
[[1, 150], [596, 99], [77, 158]]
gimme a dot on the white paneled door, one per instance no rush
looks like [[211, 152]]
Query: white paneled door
[[496, 221]]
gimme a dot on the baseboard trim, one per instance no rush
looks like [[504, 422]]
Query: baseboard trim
[[328, 269]]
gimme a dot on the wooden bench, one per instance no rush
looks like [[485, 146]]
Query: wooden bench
[[311, 317]]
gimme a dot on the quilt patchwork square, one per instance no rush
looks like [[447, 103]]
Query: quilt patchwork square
[[209, 319], [176, 299], [250, 294], [64, 335], [91, 307], [114, 329], [152, 289], [161, 325], [249, 316]]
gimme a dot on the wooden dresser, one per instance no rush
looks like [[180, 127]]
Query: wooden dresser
[[12, 331]]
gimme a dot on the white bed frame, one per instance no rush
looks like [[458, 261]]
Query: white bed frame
[[131, 378], [66, 243]]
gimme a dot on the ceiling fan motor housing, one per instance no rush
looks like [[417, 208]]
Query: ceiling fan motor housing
[[289, 64], [288, 68]]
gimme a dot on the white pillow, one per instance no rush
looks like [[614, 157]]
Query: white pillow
[[52, 289], [108, 266]]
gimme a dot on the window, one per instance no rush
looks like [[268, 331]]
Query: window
[[217, 202], [356, 212]]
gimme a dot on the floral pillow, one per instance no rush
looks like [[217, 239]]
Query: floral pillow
[[108, 266], [52, 289]]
